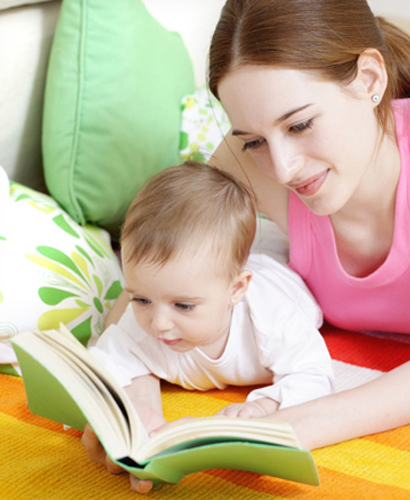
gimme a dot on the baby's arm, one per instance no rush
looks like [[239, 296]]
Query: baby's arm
[[298, 359], [293, 350], [145, 394], [116, 350]]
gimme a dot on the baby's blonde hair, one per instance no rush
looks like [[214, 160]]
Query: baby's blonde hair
[[188, 208]]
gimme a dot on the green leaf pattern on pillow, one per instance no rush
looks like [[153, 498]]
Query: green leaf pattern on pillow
[[204, 124], [57, 271]]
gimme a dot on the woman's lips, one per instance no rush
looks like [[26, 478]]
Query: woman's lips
[[310, 186]]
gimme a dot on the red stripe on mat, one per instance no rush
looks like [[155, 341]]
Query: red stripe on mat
[[364, 350], [334, 485]]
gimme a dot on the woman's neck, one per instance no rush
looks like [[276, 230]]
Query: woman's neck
[[364, 228]]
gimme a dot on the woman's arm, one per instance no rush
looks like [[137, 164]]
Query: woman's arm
[[117, 309], [377, 406], [271, 197]]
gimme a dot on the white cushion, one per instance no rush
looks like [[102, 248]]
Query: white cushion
[[25, 39], [51, 269], [7, 4]]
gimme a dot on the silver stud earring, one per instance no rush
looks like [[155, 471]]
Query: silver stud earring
[[376, 98], [232, 301]]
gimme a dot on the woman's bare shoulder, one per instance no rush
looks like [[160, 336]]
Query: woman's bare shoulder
[[272, 198]]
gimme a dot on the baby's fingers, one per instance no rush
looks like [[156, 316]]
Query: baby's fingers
[[140, 485], [112, 467], [230, 411], [92, 445], [96, 452], [248, 412]]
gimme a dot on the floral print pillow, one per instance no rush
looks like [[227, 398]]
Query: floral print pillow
[[204, 125], [51, 270]]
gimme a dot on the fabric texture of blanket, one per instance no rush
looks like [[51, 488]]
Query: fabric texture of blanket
[[40, 460]]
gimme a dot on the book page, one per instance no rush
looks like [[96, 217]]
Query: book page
[[199, 431], [117, 411], [104, 403], [137, 432], [110, 412], [87, 397]]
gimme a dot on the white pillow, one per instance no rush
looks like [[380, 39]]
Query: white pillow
[[25, 39], [51, 269], [7, 4]]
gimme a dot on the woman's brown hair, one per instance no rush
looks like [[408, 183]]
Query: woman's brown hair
[[326, 36]]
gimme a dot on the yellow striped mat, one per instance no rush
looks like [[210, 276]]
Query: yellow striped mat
[[39, 460]]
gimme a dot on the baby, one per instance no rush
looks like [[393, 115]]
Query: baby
[[205, 309]]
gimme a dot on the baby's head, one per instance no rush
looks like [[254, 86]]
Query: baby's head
[[186, 238], [188, 209]]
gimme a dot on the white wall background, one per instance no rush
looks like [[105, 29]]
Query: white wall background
[[390, 8], [196, 19]]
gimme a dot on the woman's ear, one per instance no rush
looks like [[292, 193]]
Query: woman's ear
[[239, 286], [371, 74]]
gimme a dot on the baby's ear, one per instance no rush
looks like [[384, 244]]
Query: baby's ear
[[240, 285]]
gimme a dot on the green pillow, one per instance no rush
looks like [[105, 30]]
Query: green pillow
[[112, 106]]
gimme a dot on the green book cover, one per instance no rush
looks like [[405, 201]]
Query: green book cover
[[62, 387]]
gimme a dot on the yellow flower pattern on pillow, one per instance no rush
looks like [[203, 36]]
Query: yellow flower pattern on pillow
[[52, 270], [203, 126]]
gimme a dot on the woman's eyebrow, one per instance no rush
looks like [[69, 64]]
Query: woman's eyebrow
[[293, 112], [237, 132]]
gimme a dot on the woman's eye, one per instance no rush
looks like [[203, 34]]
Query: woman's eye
[[301, 127], [253, 144], [184, 307]]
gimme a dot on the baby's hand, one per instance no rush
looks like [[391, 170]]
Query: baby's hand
[[96, 453], [259, 408]]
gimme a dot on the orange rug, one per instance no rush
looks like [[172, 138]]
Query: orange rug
[[39, 460]]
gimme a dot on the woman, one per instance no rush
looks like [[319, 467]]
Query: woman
[[308, 87]]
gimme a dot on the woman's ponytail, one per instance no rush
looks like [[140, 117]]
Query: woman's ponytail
[[398, 58]]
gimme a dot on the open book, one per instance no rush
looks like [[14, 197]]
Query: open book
[[65, 383]]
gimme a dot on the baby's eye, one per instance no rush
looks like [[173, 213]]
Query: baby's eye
[[141, 301], [253, 144], [184, 307], [301, 127]]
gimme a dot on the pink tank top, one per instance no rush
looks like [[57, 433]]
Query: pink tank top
[[379, 301]]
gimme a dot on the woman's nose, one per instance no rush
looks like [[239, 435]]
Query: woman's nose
[[285, 163]]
